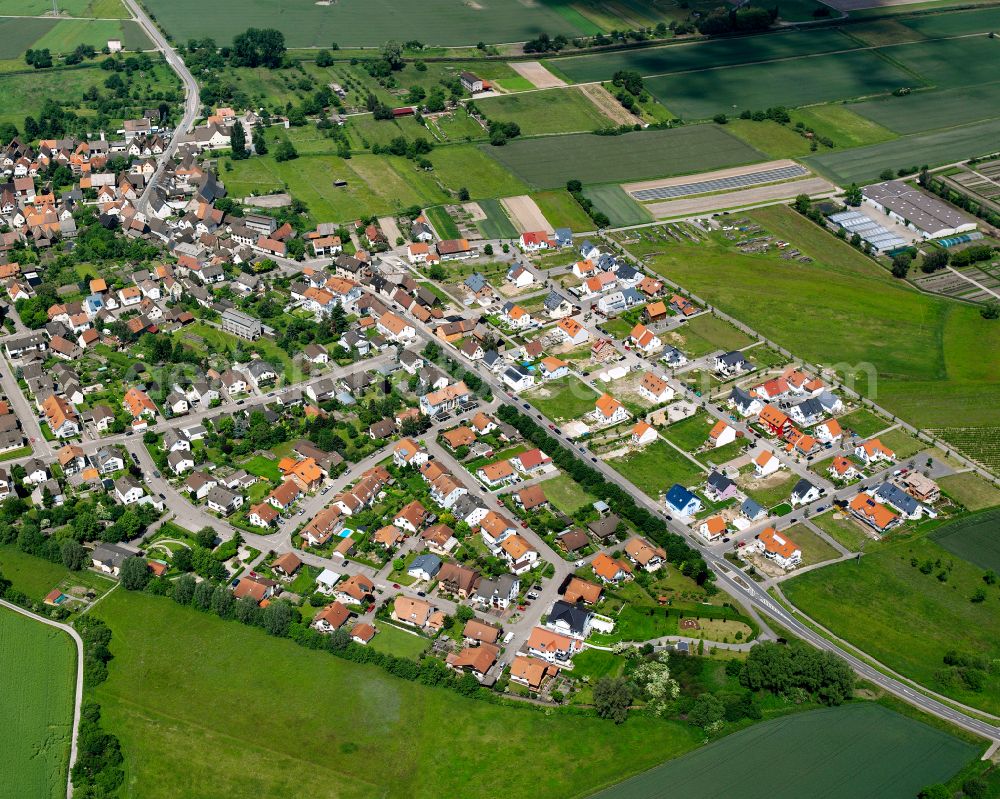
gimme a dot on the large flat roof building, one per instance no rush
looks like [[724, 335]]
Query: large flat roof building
[[241, 324], [918, 210]]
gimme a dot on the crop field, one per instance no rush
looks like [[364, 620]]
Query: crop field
[[38, 664], [955, 23], [843, 125], [62, 36], [920, 349], [617, 204], [970, 490], [560, 209], [974, 538], [923, 111], [497, 225], [192, 709], [549, 162], [349, 22], [688, 57], [442, 222], [548, 111], [656, 467], [862, 751], [907, 619], [835, 76], [949, 63]]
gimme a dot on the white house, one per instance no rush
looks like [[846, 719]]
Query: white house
[[765, 464], [655, 388], [608, 411]]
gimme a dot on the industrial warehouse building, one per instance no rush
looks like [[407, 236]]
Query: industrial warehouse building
[[929, 216]]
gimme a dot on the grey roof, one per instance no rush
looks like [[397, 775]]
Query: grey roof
[[802, 488], [751, 509], [923, 210], [899, 499], [733, 358], [475, 282], [574, 616], [111, 554], [741, 398], [554, 300], [428, 563], [719, 482]]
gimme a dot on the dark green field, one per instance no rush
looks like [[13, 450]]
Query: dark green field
[[933, 110], [975, 538], [617, 204], [549, 162], [701, 55], [850, 752], [350, 22]]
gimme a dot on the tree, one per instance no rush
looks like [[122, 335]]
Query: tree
[[935, 260], [135, 573], [238, 142], [463, 194], [654, 680], [901, 264], [937, 791], [205, 537], [182, 560], [258, 47], [612, 697], [285, 151], [975, 788], [324, 58], [73, 555], [392, 54], [853, 195], [259, 141], [464, 613], [990, 310], [184, 589], [707, 712]]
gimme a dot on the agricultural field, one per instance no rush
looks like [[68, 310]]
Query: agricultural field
[[861, 751], [561, 210], [974, 538], [551, 161], [688, 56], [906, 603], [983, 446], [191, 709], [308, 24], [104, 9], [546, 111], [656, 467], [563, 399], [497, 224], [970, 490], [442, 222], [62, 36], [919, 349], [617, 205], [39, 667], [467, 166], [924, 111], [836, 76]]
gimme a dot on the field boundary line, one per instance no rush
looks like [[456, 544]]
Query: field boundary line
[[78, 698]]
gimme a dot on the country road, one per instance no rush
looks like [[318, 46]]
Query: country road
[[192, 98], [78, 697]]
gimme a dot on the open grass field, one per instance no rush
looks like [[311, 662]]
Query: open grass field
[[548, 111], [549, 162], [566, 494], [920, 349], [106, 9], [617, 205], [707, 333], [843, 125], [775, 493], [33, 576], [902, 443], [656, 467], [974, 538], [835, 76], [38, 664], [561, 210], [933, 110], [197, 713], [364, 130], [864, 422], [814, 548], [469, 167], [841, 529], [399, 642], [349, 23], [61, 36], [863, 164], [772, 139], [691, 433], [691, 56], [563, 399], [957, 23], [904, 618], [861, 751], [971, 490]]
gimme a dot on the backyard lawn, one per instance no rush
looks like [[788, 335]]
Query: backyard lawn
[[398, 642], [191, 707], [566, 494], [842, 529]]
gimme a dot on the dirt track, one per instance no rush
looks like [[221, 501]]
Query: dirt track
[[710, 203], [608, 105], [537, 74], [526, 214]]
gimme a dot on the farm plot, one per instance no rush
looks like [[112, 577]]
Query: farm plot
[[758, 195], [496, 224], [39, 667], [864, 164], [61, 36], [835, 76], [615, 203], [956, 23], [562, 210], [536, 74], [943, 108], [564, 110], [525, 214], [974, 538], [309, 24], [551, 161], [949, 63], [859, 751], [979, 443], [691, 56]]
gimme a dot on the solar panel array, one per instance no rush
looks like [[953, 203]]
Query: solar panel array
[[869, 230], [721, 184]]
